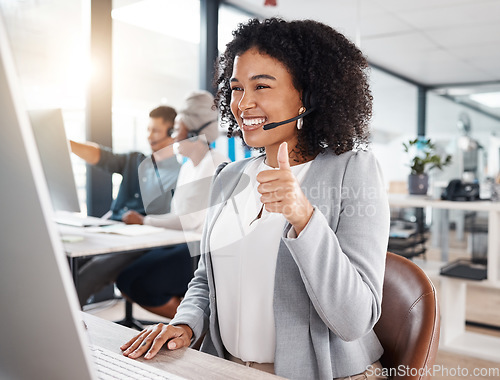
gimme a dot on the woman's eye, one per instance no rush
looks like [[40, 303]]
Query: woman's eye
[[261, 86], [236, 88]]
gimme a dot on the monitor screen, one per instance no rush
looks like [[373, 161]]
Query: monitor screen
[[53, 148]]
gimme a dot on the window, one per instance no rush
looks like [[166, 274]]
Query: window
[[394, 121], [53, 67], [229, 18], [155, 61]]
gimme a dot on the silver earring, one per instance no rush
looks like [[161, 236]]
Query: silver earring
[[299, 123]]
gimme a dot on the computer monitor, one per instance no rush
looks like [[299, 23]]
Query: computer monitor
[[42, 332], [43, 335], [53, 148]]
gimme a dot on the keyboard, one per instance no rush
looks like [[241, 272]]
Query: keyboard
[[113, 366]]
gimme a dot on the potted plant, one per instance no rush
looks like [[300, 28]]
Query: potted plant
[[424, 158]]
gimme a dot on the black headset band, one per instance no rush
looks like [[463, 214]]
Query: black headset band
[[196, 132]]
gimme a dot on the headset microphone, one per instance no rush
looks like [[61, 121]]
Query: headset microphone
[[278, 123]]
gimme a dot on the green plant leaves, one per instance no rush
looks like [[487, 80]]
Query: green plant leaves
[[425, 158]]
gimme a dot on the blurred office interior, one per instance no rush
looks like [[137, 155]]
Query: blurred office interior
[[435, 73]]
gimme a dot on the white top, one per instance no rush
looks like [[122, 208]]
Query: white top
[[244, 263], [190, 200]]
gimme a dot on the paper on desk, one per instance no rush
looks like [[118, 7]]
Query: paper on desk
[[127, 229]]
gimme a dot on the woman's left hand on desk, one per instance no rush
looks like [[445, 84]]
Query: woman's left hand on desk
[[280, 192]]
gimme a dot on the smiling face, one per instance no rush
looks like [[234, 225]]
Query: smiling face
[[263, 92]]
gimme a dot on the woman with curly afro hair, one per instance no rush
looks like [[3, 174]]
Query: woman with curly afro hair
[[294, 245]]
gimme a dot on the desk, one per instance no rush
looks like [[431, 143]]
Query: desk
[[493, 209], [185, 362], [95, 243], [454, 338]]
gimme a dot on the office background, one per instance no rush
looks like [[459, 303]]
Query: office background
[[427, 58]]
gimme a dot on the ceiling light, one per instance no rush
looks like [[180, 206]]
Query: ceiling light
[[489, 99]]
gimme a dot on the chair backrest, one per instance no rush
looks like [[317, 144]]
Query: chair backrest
[[408, 327]]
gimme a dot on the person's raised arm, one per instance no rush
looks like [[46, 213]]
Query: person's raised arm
[[90, 152]]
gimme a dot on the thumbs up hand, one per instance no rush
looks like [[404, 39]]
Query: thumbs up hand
[[280, 192], [283, 160]]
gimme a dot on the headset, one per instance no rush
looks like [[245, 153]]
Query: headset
[[309, 103], [194, 133]]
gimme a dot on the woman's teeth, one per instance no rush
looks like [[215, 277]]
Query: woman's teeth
[[251, 122]]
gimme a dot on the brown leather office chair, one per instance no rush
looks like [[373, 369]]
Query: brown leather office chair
[[408, 327]]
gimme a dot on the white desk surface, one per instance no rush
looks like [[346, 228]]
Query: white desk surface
[[95, 243], [184, 362], [406, 200]]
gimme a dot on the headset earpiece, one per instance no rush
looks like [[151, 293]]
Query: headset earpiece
[[308, 99], [170, 131]]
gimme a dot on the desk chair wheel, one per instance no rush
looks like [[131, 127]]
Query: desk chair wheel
[[130, 321]]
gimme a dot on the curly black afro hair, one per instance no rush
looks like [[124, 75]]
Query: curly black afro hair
[[322, 62]]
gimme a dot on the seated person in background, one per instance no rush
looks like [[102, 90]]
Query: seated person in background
[[160, 129], [293, 250], [158, 279], [102, 270]]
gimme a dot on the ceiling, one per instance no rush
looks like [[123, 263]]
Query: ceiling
[[450, 44], [432, 42], [435, 43]]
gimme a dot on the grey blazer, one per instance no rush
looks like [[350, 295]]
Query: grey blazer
[[328, 281]]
